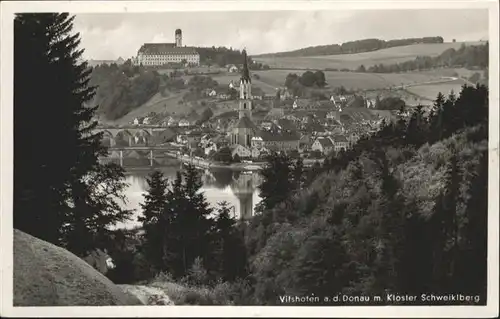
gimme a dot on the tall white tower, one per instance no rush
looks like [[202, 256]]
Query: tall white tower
[[178, 38], [245, 107]]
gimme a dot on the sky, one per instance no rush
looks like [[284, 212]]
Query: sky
[[107, 36]]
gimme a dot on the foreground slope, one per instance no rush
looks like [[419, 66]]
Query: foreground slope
[[47, 275]]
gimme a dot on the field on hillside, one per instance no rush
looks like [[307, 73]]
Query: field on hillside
[[353, 80], [431, 91], [224, 79], [157, 104], [352, 61]]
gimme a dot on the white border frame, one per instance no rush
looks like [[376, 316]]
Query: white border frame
[[6, 160]]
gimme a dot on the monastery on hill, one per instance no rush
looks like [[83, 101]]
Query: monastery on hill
[[248, 140], [155, 54]]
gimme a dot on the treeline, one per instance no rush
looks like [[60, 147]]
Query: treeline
[[466, 57], [404, 211], [220, 56], [298, 85], [183, 240], [123, 88], [358, 46]]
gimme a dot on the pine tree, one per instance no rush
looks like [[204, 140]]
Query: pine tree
[[191, 222], [61, 193], [436, 118], [153, 220], [277, 181], [416, 132], [229, 250], [173, 254]]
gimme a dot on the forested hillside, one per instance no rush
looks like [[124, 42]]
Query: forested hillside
[[358, 46], [404, 212], [122, 88]]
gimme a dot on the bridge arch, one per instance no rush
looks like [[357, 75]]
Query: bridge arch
[[142, 138], [124, 138], [107, 138]]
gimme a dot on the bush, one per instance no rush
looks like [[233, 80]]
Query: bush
[[197, 274]]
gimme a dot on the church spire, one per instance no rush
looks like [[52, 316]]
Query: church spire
[[245, 76]]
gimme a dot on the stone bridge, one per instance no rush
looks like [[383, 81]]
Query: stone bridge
[[114, 136]]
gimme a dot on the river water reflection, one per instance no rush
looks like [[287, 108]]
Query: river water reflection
[[238, 188]]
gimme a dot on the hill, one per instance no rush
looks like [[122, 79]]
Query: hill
[[352, 61], [384, 216], [365, 45], [47, 275]]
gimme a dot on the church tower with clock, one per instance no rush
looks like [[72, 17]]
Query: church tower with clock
[[244, 129]]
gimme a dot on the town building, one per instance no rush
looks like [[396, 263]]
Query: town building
[[156, 54], [326, 144], [322, 144], [232, 68], [340, 142]]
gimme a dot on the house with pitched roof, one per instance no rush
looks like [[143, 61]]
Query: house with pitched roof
[[305, 142], [339, 142], [323, 144], [276, 140]]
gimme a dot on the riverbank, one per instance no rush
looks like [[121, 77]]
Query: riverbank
[[206, 164], [203, 163]]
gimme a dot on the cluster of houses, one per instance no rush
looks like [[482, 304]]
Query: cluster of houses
[[292, 125], [169, 121], [273, 136]]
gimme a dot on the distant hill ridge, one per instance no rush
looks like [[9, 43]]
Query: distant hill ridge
[[357, 46]]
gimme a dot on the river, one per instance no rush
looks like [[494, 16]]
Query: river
[[239, 189]]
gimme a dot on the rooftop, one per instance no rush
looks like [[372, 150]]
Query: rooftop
[[325, 142], [245, 122], [339, 138], [281, 136], [165, 48]]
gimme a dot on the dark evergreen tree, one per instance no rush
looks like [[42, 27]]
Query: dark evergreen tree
[[436, 119], [191, 222], [229, 251], [154, 221], [277, 181], [173, 252], [61, 193], [417, 130]]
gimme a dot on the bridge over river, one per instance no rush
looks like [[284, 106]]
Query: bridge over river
[[130, 135], [136, 141]]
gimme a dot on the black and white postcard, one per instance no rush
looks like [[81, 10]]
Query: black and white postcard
[[249, 158]]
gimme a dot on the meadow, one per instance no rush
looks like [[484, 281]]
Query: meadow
[[353, 61], [417, 90], [354, 80], [430, 91]]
